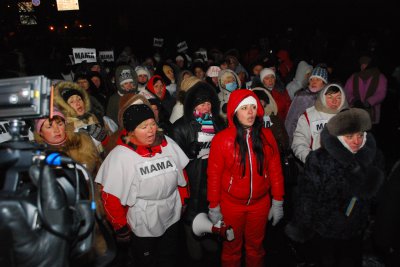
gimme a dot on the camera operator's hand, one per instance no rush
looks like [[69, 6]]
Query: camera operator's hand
[[123, 234], [96, 131]]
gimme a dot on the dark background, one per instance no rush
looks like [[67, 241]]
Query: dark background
[[238, 24]]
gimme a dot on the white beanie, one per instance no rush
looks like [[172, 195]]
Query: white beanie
[[265, 72], [141, 71], [247, 101], [213, 71]]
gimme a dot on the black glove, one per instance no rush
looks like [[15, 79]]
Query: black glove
[[123, 235], [96, 131]]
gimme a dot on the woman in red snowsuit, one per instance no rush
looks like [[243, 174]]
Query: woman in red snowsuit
[[244, 166]]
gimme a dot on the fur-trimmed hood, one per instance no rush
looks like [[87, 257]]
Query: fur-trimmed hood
[[62, 105], [200, 88], [272, 107]]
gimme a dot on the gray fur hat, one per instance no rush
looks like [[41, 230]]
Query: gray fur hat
[[349, 121]]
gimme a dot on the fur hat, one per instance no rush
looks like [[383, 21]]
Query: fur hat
[[320, 73], [349, 121], [135, 115]]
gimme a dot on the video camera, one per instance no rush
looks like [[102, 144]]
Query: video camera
[[45, 219]]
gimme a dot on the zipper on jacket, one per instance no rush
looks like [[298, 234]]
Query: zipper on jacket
[[230, 183], [251, 166]]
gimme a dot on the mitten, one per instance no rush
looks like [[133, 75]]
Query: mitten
[[215, 214], [96, 131], [276, 211]]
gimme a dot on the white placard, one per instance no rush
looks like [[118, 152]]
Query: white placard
[[158, 42], [182, 46], [203, 55], [65, 5], [106, 56], [84, 54]]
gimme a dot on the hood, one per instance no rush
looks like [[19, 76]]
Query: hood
[[272, 107], [128, 100], [234, 100], [320, 103], [62, 105], [159, 71], [302, 69], [223, 74], [150, 85], [123, 72], [283, 55], [200, 88]]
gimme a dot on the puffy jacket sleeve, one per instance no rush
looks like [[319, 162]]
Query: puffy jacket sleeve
[[216, 165], [274, 167], [302, 139]]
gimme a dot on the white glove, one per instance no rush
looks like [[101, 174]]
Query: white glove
[[215, 214], [276, 211]]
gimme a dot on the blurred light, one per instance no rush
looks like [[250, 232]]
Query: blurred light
[[65, 26], [80, 26], [8, 6], [90, 25], [51, 28]]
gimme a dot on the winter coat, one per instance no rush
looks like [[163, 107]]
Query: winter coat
[[185, 133], [337, 190], [300, 80], [225, 179], [302, 101], [371, 91]]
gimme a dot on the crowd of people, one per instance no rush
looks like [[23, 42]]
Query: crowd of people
[[272, 139]]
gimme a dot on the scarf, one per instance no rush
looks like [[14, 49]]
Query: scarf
[[144, 151], [205, 120]]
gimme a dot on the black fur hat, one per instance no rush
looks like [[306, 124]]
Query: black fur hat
[[349, 121]]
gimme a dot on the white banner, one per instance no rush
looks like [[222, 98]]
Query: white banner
[[84, 54], [106, 56]]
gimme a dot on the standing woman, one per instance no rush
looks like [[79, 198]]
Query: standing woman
[[243, 167], [140, 179], [193, 133], [337, 191]]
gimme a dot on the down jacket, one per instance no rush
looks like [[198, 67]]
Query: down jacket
[[225, 178]]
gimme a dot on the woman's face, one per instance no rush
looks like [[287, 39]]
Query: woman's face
[[96, 80], [76, 102], [159, 88], [269, 81], [199, 73], [204, 108], [246, 115], [83, 83], [354, 141], [53, 132], [316, 84], [145, 133], [333, 101]]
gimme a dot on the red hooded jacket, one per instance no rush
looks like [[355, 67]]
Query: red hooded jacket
[[225, 179]]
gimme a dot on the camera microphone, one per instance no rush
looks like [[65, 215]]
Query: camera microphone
[[56, 159]]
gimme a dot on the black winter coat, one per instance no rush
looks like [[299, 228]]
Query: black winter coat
[[333, 177]]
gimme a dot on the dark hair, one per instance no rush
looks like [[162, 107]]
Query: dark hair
[[332, 90], [258, 141]]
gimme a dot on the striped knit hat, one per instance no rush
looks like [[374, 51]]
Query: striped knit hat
[[320, 73]]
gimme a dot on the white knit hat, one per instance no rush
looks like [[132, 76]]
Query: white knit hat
[[265, 72], [213, 71], [247, 101]]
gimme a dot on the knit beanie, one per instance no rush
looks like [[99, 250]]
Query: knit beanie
[[68, 92], [247, 101], [135, 115], [39, 122], [187, 83], [349, 121], [320, 73], [265, 72], [213, 71]]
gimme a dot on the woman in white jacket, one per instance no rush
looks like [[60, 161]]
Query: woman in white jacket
[[330, 101]]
